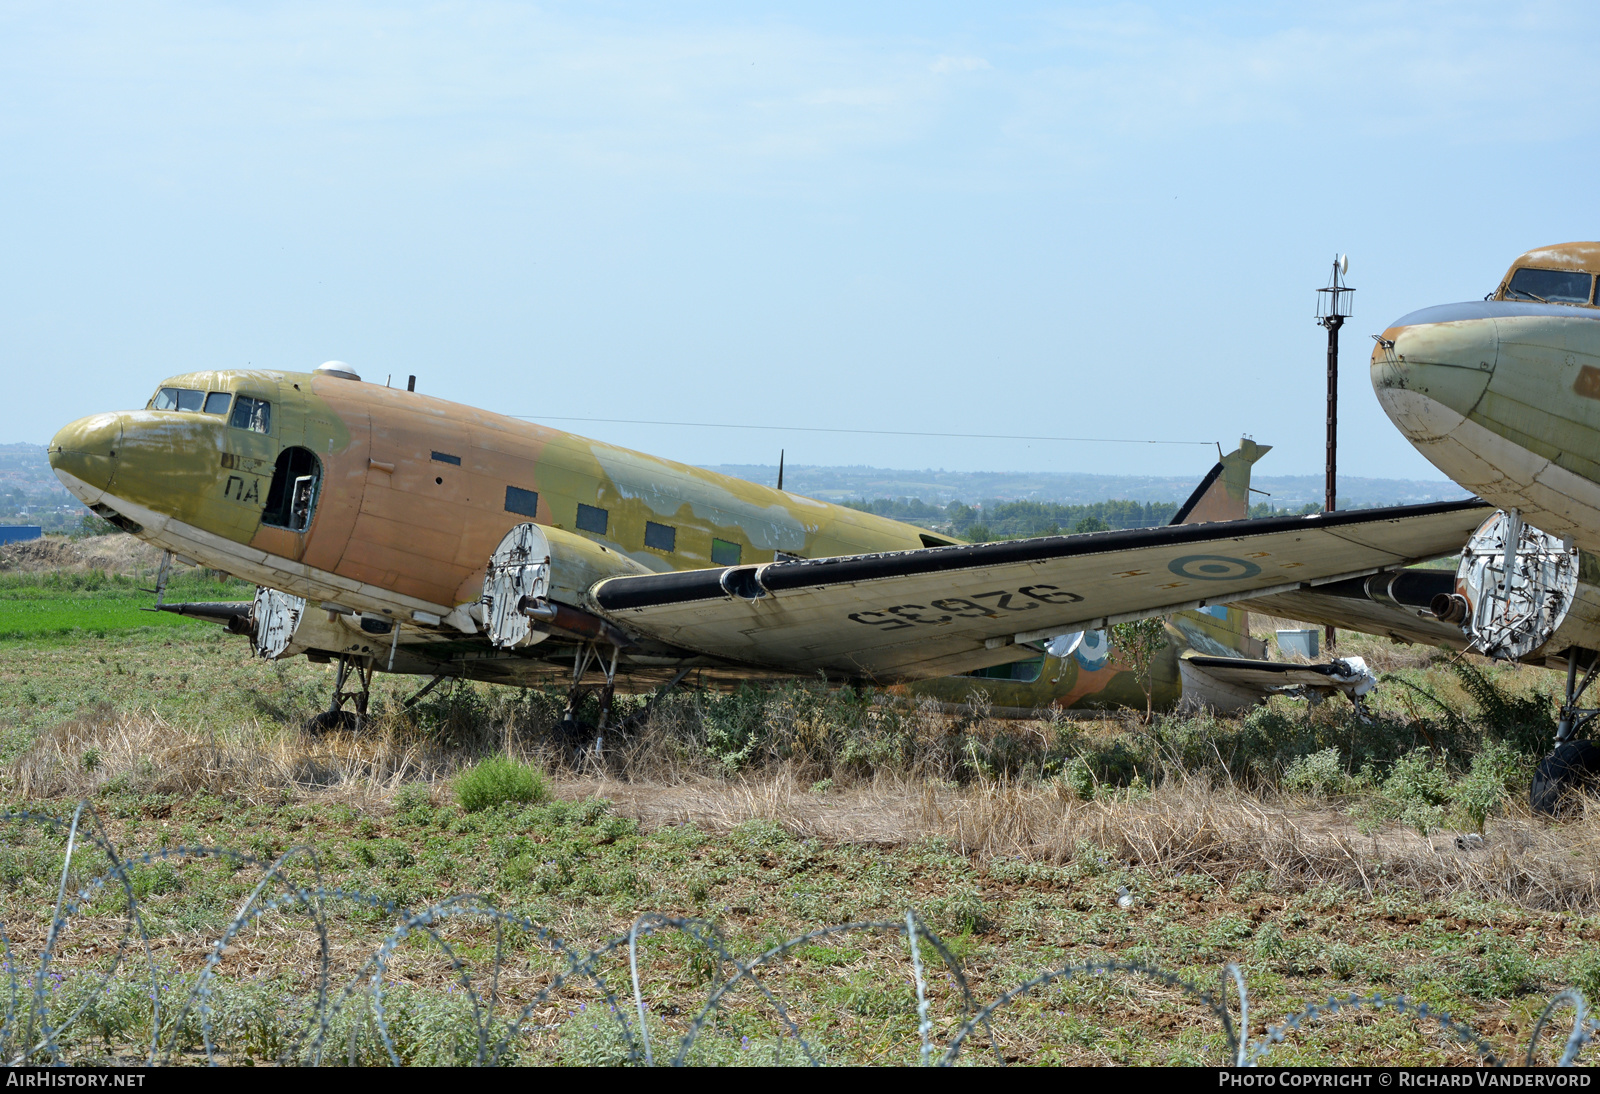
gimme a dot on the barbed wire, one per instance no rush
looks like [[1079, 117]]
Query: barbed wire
[[30, 1035]]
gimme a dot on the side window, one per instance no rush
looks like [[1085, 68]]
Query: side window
[[592, 519], [724, 553], [292, 497], [661, 537], [252, 414], [217, 402], [177, 398], [522, 502]]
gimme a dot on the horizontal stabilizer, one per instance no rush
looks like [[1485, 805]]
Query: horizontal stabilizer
[[1235, 683]]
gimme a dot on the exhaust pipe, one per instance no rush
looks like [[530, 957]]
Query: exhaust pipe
[[1451, 608]]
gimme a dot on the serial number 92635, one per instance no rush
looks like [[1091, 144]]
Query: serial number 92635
[[936, 613]]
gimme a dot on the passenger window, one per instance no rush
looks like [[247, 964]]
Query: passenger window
[[292, 497], [522, 502], [724, 553], [660, 537], [592, 519], [252, 414], [1549, 286], [217, 402], [445, 457]]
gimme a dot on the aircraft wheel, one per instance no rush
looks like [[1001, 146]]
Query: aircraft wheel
[[332, 721], [1573, 766]]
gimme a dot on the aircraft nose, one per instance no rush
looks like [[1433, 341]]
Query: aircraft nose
[[84, 455], [1429, 377]]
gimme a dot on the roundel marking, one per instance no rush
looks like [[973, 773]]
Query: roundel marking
[[1093, 652], [1213, 567]]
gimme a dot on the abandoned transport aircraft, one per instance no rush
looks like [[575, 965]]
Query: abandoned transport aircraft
[[1503, 395], [391, 531]]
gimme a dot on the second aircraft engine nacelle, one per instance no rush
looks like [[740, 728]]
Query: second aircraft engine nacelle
[[533, 578], [1522, 594]]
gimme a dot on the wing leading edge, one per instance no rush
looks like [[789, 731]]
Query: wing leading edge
[[913, 614]]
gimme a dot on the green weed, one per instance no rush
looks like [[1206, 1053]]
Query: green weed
[[499, 780]]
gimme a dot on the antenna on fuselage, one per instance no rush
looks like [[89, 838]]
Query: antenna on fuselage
[[411, 383], [780, 469]]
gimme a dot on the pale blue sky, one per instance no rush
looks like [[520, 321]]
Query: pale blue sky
[[1104, 220]]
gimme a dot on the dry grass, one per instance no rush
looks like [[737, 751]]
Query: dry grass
[[146, 754], [1183, 827], [1185, 824]]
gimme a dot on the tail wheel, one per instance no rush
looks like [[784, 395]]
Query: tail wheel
[[1573, 767]]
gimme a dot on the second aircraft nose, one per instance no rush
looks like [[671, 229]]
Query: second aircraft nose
[[84, 455], [1430, 376]]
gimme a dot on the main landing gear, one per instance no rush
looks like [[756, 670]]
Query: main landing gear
[[1574, 766], [336, 717], [590, 653]]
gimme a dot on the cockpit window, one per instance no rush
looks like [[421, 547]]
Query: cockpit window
[[255, 414], [217, 402], [1549, 286], [178, 398]]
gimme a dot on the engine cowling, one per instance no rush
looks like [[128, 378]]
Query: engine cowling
[[1523, 594], [535, 576]]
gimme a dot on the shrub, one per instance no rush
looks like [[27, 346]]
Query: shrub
[[412, 798], [498, 780], [1479, 793], [1501, 968], [1418, 789], [1319, 773]]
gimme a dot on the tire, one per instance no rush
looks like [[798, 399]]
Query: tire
[[332, 721], [1573, 767]]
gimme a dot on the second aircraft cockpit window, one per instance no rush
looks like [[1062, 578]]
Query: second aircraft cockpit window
[[1549, 286]]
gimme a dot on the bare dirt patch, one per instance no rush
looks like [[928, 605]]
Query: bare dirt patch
[[115, 554]]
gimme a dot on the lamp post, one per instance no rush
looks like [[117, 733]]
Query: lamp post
[[1333, 308]]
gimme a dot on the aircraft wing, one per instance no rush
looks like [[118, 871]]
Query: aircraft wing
[[1350, 606], [913, 614]]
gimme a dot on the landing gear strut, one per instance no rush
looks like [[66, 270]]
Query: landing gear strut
[[590, 651], [336, 717], [1575, 763]]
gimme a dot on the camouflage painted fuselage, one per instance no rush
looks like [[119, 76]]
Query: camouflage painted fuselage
[[408, 495], [414, 492]]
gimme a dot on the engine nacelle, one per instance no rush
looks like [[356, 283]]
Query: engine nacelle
[[533, 578], [1522, 594]]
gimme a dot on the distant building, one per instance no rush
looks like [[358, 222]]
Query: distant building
[[16, 533]]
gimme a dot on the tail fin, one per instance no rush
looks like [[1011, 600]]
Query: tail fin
[[1224, 494]]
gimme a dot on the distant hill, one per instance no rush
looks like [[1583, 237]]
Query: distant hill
[[31, 494], [940, 488]]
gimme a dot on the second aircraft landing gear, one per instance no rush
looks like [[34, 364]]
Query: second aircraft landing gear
[[336, 717], [1574, 766]]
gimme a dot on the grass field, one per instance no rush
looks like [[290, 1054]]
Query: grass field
[[94, 604], [1319, 853]]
